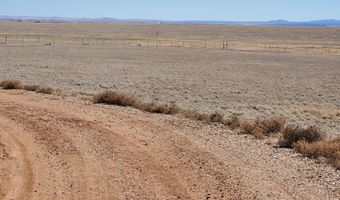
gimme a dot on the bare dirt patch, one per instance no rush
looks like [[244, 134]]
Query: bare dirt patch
[[59, 145]]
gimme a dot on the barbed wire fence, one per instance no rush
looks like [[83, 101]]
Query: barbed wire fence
[[49, 40], [24, 40]]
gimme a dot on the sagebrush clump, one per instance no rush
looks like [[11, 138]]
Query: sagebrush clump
[[322, 148], [10, 84], [293, 134]]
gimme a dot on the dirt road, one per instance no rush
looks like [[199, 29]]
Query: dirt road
[[54, 148]]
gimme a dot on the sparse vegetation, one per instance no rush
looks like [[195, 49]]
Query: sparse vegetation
[[327, 149], [307, 141], [250, 128], [31, 88], [45, 90], [293, 134], [14, 84], [264, 127], [10, 84], [194, 115], [169, 109], [233, 121], [215, 117], [272, 124], [114, 98]]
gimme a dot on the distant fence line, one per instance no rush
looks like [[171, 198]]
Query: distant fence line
[[23, 40]]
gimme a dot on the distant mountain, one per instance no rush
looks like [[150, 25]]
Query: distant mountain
[[280, 22]]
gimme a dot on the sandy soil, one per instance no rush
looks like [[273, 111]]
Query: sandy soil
[[54, 148]]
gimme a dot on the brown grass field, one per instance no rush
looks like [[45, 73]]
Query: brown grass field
[[279, 84], [301, 86]]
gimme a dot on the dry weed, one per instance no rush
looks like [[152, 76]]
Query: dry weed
[[293, 134], [327, 149], [10, 84]]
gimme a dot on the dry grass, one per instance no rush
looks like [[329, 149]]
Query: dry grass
[[14, 84], [264, 127], [327, 149], [32, 88], [216, 117], [45, 90], [169, 109], [252, 129], [114, 98], [194, 115], [233, 121], [293, 134], [272, 124], [10, 84]]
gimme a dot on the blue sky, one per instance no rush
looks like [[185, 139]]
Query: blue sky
[[237, 10]]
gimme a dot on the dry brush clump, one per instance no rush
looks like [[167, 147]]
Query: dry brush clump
[[31, 88], [14, 84], [10, 85], [263, 127], [45, 90], [272, 124], [169, 109], [194, 115], [293, 134], [233, 121], [114, 98], [326, 149], [216, 117]]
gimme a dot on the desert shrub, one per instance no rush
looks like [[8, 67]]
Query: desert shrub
[[158, 108], [215, 117], [327, 149], [31, 87], [44, 90], [194, 115], [10, 84], [252, 129], [293, 134], [114, 98], [272, 124], [233, 121], [263, 127]]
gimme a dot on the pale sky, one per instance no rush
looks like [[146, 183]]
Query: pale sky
[[224, 10]]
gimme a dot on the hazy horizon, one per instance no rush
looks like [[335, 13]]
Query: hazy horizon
[[215, 10]]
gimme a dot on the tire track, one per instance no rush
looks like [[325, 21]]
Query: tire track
[[106, 153], [21, 184]]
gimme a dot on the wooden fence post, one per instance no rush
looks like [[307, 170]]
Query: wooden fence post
[[6, 39]]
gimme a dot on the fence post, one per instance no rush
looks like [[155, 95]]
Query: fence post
[[6, 38]]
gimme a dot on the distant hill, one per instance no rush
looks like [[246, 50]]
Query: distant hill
[[280, 22]]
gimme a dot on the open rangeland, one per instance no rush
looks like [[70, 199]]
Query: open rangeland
[[63, 146]]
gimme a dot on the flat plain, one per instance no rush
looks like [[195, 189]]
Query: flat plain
[[302, 86]]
